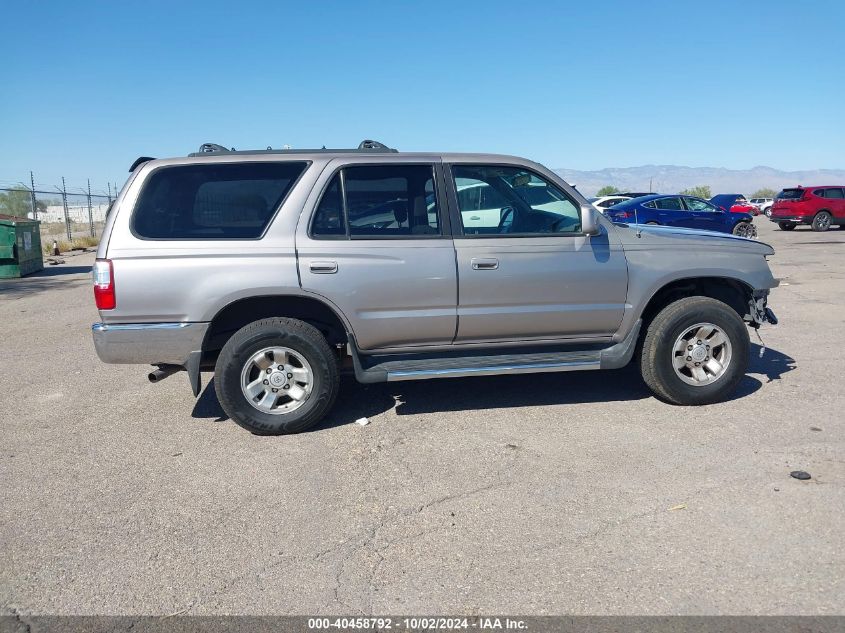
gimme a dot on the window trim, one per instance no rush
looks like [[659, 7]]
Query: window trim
[[679, 198], [711, 208], [455, 209], [442, 216], [306, 166]]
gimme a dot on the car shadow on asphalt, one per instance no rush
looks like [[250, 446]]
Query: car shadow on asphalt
[[357, 401], [31, 284], [769, 362], [54, 271]]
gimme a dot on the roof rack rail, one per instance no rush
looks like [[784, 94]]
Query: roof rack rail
[[367, 145]]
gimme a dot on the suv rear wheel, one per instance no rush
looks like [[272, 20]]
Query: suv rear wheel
[[822, 221], [786, 226], [695, 352], [276, 376]]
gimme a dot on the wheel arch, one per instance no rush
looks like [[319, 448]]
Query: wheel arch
[[316, 311], [729, 290]]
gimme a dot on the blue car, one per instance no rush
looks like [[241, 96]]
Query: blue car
[[684, 212]]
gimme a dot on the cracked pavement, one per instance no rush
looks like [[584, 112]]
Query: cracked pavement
[[535, 494]]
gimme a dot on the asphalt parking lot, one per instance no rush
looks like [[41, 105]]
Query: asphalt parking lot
[[534, 494]]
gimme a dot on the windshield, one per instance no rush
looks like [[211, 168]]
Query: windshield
[[790, 194]]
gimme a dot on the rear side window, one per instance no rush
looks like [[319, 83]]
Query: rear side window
[[213, 201], [833, 192], [669, 204], [378, 201], [790, 194]]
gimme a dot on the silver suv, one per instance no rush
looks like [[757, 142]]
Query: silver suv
[[279, 268]]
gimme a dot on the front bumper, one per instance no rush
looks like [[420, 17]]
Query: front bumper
[[148, 343]]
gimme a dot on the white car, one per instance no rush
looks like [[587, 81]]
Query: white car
[[604, 202], [764, 204]]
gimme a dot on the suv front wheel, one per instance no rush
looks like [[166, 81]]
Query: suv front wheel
[[276, 376], [695, 352], [745, 229]]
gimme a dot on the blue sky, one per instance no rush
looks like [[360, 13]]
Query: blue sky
[[91, 86]]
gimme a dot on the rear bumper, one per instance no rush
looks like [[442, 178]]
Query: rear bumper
[[148, 343], [797, 219]]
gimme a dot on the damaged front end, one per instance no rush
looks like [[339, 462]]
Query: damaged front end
[[758, 312]]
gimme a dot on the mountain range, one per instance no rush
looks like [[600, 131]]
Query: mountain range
[[673, 178]]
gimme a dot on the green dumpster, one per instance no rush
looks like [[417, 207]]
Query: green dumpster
[[20, 246]]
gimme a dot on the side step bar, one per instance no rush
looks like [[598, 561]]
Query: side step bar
[[387, 369]]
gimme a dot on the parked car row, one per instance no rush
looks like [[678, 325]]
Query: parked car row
[[820, 207], [682, 211], [764, 205]]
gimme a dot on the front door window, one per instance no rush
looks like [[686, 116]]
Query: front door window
[[496, 200]]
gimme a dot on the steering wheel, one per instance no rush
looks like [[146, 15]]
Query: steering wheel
[[507, 212]]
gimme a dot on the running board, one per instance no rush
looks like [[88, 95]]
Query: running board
[[387, 369]]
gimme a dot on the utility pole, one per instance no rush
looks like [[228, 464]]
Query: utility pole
[[108, 184], [90, 211], [32, 196], [67, 215]]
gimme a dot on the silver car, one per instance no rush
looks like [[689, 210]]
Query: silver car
[[278, 268]]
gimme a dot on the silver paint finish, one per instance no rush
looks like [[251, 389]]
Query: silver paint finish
[[458, 372], [148, 343], [394, 292], [542, 287], [404, 294]]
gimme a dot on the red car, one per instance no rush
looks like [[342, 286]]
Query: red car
[[735, 203], [821, 207]]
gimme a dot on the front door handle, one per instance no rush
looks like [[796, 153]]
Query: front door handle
[[479, 263], [323, 268]]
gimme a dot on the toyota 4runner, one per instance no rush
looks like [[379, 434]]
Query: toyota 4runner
[[278, 268]]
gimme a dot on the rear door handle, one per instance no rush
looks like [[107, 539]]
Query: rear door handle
[[323, 268], [479, 263]]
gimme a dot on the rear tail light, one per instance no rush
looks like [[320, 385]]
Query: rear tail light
[[103, 273], [623, 214]]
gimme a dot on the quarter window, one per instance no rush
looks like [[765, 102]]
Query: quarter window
[[213, 201], [379, 201], [496, 200]]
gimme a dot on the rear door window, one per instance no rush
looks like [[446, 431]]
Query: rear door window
[[669, 204], [379, 201], [833, 192], [223, 201]]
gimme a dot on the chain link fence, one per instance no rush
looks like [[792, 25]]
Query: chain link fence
[[72, 217]]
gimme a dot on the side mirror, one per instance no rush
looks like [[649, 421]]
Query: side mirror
[[589, 220]]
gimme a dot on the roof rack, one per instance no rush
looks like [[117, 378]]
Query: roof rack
[[366, 146]]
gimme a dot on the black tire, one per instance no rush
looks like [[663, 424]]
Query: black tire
[[300, 337], [745, 229], [822, 221], [786, 226], [657, 351]]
